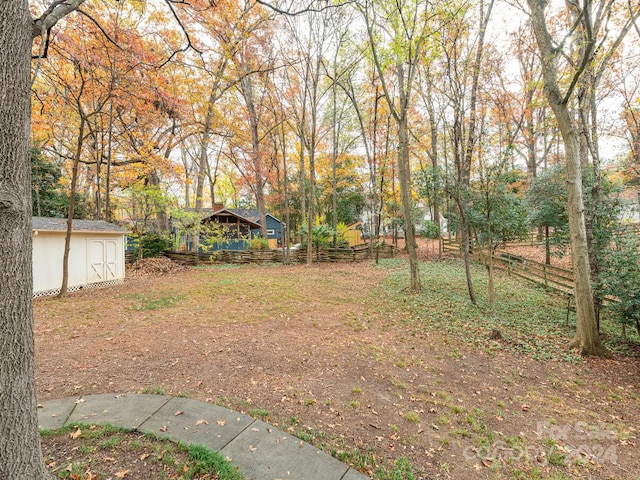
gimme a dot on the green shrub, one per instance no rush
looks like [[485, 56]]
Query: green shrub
[[620, 278], [322, 235], [153, 244], [430, 229], [259, 243]]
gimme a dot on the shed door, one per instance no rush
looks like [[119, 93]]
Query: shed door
[[103, 260]]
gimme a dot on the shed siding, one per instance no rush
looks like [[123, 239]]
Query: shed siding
[[93, 258]]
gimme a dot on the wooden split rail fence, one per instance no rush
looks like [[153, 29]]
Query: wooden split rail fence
[[277, 256], [556, 278]]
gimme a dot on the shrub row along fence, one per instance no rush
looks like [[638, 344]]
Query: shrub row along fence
[[354, 254], [556, 278]]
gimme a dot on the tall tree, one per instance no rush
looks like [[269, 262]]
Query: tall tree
[[19, 437], [252, 61], [313, 41], [589, 129], [587, 339], [403, 28], [464, 62]]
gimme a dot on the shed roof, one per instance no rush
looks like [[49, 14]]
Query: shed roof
[[60, 225]]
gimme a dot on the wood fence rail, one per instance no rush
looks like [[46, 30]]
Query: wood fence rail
[[556, 278], [354, 254]]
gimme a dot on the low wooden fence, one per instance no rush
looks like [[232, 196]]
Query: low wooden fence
[[354, 254], [556, 278]]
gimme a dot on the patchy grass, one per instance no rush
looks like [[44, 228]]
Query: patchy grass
[[92, 452], [155, 301], [338, 354], [259, 413], [531, 319]]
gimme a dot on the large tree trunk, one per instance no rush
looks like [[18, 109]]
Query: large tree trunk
[[587, 340], [256, 157], [20, 454], [404, 177]]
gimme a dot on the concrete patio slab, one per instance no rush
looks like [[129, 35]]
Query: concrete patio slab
[[195, 422], [125, 411], [259, 450], [54, 414], [263, 452]]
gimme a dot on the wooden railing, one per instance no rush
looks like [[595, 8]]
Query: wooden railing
[[549, 276], [353, 254]]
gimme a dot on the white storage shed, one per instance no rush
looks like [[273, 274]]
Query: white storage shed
[[96, 254]]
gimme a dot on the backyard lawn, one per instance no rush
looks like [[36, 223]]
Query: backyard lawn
[[400, 386]]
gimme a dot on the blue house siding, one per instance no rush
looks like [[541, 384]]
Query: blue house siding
[[235, 245], [274, 229]]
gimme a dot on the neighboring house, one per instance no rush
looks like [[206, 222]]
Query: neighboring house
[[275, 227], [239, 230], [243, 224], [630, 201], [96, 254]]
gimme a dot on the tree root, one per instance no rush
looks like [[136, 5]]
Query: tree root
[[597, 350]]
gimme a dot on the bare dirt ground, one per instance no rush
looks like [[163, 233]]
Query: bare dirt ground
[[309, 349]]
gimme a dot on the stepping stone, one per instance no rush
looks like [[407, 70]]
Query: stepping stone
[[199, 423], [125, 411], [263, 452], [53, 414]]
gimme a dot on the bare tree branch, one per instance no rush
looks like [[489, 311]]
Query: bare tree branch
[[97, 24], [634, 17], [56, 11], [308, 9]]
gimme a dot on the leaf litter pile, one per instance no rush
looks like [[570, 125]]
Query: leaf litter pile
[[154, 267], [341, 356]]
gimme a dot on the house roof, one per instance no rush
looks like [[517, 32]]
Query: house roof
[[228, 212], [60, 225], [250, 214]]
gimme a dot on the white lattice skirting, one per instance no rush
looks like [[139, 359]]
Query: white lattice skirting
[[56, 291]]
